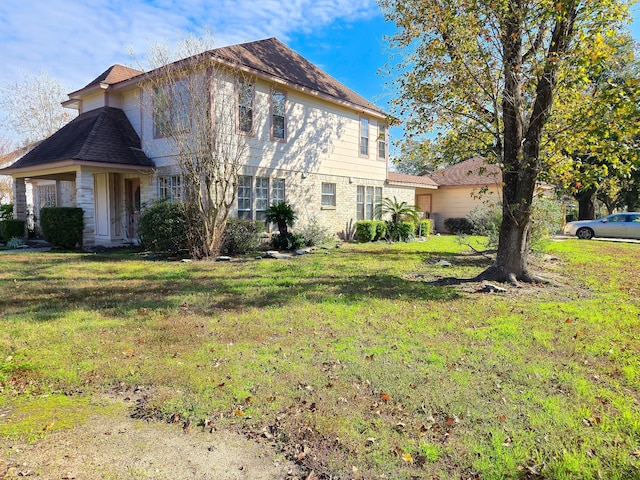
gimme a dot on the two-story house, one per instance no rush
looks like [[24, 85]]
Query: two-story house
[[313, 142]]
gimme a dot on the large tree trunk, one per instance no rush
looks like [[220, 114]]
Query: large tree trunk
[[586, 205], [513, 243], [522, 141]]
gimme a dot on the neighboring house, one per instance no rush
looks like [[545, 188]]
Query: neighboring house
[[454, 191], [324, 149]]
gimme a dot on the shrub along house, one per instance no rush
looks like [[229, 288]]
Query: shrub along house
[[314, 143]]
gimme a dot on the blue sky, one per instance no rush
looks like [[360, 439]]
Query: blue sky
[[76, 40]]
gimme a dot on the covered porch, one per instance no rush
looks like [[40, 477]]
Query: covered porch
[[110, 198], [95, 163]]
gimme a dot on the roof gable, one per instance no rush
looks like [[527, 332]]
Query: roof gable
[[103, 135], [274, 58], [472, 172], [112, 75]]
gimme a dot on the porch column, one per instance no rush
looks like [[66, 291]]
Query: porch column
[[85, 201], [19, 199]]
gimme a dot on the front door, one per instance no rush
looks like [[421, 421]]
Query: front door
[[423, 202], [102, 207]]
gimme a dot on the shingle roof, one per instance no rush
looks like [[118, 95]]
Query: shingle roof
[[412, 180], [272, 57], [104, 135], [474, 171], [114, 74]]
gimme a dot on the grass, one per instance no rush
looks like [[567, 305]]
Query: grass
[[351, 361]]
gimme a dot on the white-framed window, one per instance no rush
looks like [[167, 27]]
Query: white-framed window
[[364, 137], [246, 94], [255, 195], [278, 120], [328, 195], [170, 187], [244, 197], [262, 197], [277, 190], [382, 141], [171, 109], [48, 197], [366, 200]]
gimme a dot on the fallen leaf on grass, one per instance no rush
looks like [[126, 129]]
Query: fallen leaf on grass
[[385, 396], [407, 458]]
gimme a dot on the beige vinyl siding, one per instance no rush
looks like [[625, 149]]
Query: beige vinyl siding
[[132, 109], [93, 101], [453, 202]]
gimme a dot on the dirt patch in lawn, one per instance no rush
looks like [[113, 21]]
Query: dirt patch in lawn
[[120, 447]]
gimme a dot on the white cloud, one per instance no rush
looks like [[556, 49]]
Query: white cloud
[[75, 40]]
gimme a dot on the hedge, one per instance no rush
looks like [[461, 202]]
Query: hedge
[[12, 228], [459, 225], [62, 226], [6, 211], [365, 231]]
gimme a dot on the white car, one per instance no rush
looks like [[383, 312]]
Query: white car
[[618, 225]]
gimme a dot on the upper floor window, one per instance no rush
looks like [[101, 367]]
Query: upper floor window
[[364, 137], [278, 103], [170, 187], [245, 106], [171, 109], [382, 141]]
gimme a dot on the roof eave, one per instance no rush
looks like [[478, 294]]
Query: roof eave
[[72, 163], [399, 183]]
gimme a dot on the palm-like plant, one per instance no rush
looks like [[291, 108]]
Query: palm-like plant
[[283, 215], [399, 212]]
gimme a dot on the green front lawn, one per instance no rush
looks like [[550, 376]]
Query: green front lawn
[[352, 361]]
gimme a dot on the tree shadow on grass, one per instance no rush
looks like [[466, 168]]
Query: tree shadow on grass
[[207, 289]]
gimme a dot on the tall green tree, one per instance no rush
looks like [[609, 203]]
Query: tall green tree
[[488, 71], [591, 145]]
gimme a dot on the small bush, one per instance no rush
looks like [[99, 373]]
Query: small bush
[[11, 228], [486, 222], [365, 231], [546, 220], [459, 226], [15, 242], [423, 228], [162, 226], [292, 241], [241, 236], [6, 212], [381, 229], [400, 231], [315, 234], [62, 226]]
